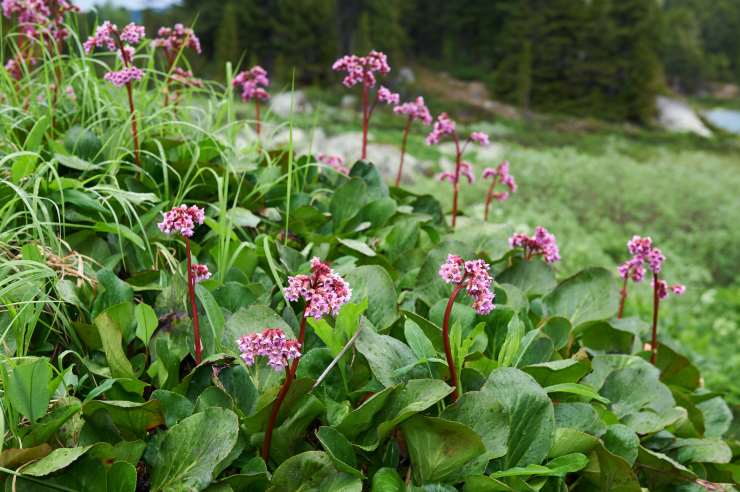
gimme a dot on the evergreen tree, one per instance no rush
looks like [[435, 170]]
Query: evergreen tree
[[227, 42]]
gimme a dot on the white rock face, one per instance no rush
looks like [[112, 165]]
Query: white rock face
[[677, 116], [280, 103]]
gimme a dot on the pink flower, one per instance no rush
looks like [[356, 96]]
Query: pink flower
[[182, 219], [123, 76], [174, 39], [361, 69], [474, 276], [252, 83], [103, 36], [501, 173], [324, 291], [132, 33], [480, 138], [200, 272], [270, 343], [126, 54], [335, 162], [416, 110], [466, 169], [14, 66], [542, 243], [640, 245], [633, 268], [443, 126], [664, 289], [388, 97], [448, 176], [186, 78]]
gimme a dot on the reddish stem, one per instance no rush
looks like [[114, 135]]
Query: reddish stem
[[193, 305], [622, 298], [489, 197], [258, 126], [365, 120], [129, 91], [656, 304], [456, 181], [403, 150], [446, 340], [289, 377]]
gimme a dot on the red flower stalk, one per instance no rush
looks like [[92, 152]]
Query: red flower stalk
[[108, 35], [324, 293], [473, 276], [183, 220], [445, 126], [415, 110], [361, 70]]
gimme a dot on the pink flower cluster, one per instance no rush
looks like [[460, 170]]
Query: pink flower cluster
[[642, 250], [386, 96], [270, 343], [323, 290], [182, 219], [542, 243], [252, 83], [124, 76], [480, 138], [416, 110], [106, 33], [14, 66], [335, 162], [501, 175], [186, 78], [663, 289], [46, 14], [172, 40], [443, 126], [200, 272], [475, 277], [361, 69], [466, 169]]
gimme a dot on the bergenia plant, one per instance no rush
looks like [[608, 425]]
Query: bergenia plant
[[413, 110], [253, 83], [472, 276], [336, 162], [445, 126], [542, 243], [323, 292], [183, 220], [643, 251], [362, 70], [500, 175], [108, 36], [173, 41]]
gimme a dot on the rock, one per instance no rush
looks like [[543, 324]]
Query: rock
[[348, 102], [280, 103], [677, 116], [406, 75]]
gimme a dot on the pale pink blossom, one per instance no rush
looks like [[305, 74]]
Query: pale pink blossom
[[124, 76], [252, 83], [663, 289], [182, 219], [200, 272], [474, 276], [480, 138], [335, 162], [132, 33], [173, 40], [542, 243], [362, 69], [416, 110], [386, 96], [270, 343], [443, 126]]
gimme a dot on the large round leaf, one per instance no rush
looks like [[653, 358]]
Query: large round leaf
[[374, 283], [589, 295]]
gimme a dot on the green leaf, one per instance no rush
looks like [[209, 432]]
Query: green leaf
[[211, 332], [368, 172], [120, 230], [420, 345], [580, 416], [557, 371], [527, 407], [132, 419], [662, 470], [614, 335], [111, 338], [346, 202], [44, 429], [589, 295], [717, 416], [174, 406], [701, 451], [487, 416], [675, 369], [387, 480], [533, 277], [74, 162], [83, 143], [243, 217], [189, 452], [358, 246], [25, 164], [339, 449], [374, 283], [289, 435], [312, 471], [122, 477], [569, 441], [512, 342], [146, 322], [386, 356], [430, 286], [577, 389], [558, 467], [610, 472], [251, 320], [558, 329], [439, 447], [28, 388], [56, 460], [622, 441]]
